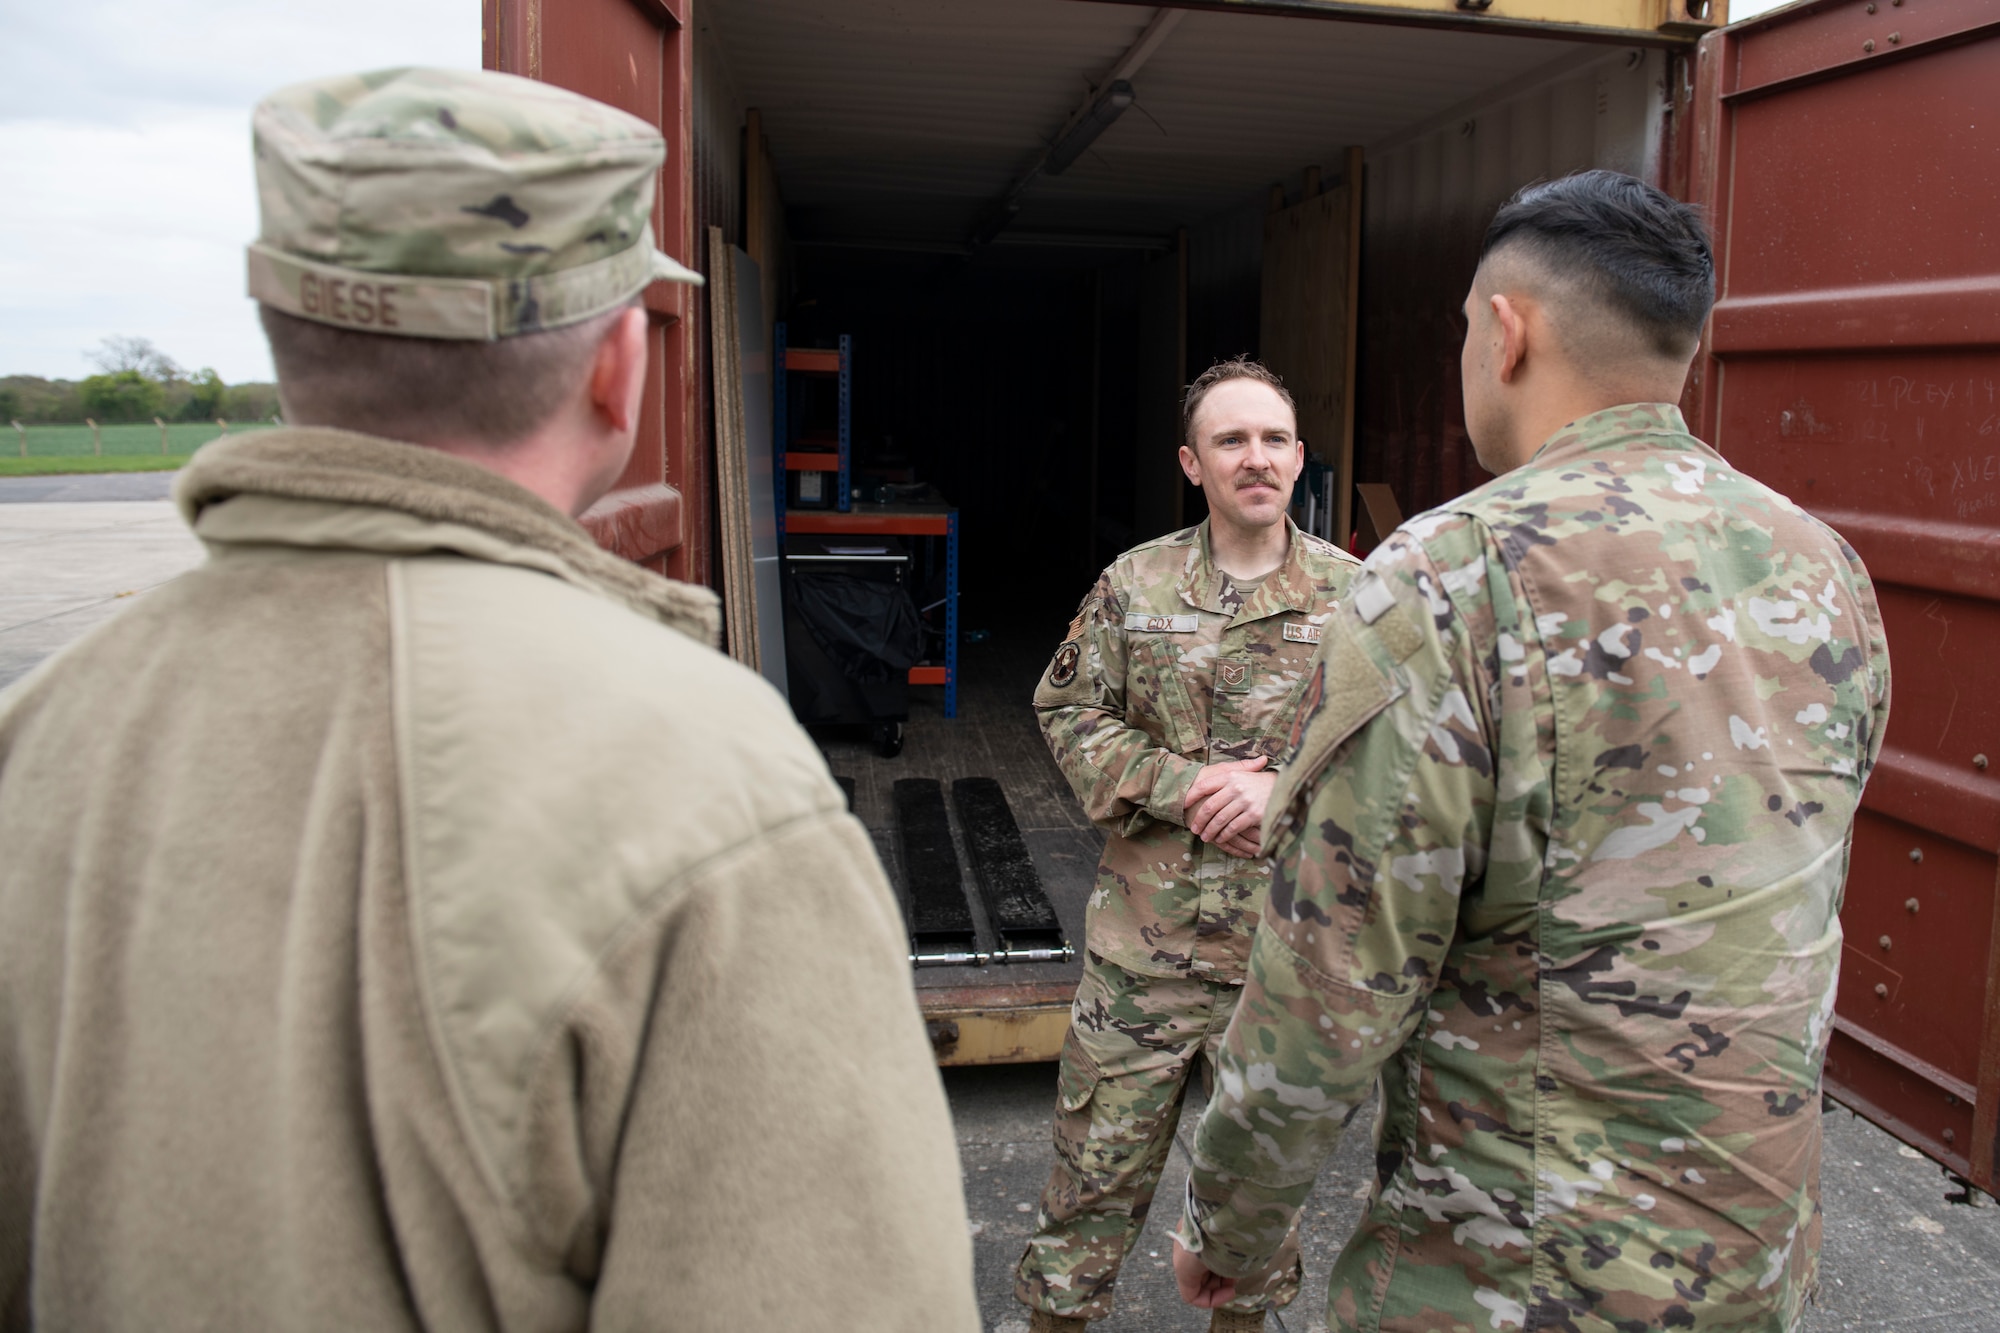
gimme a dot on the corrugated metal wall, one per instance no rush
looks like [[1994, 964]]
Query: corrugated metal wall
[[1428, 198], [974, 377], [1225, 268]]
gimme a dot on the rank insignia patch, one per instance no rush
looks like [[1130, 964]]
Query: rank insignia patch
[[1062, 670], [1232, 674]]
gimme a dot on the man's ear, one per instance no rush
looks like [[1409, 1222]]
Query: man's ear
[[1191, 465], [1513, 336], [618, 375]]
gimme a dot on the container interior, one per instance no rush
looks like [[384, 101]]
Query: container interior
[[1027, 361]]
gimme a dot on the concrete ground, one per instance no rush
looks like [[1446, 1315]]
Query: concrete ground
[[1897, 1257], [74, 550]]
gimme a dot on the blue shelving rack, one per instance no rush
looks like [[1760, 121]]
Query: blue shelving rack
[[814, 361], [888, 520]]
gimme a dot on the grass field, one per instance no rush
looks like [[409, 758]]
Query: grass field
[[16, 466], [53, 449]]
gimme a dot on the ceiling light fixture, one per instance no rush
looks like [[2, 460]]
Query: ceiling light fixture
[[1083, 131]]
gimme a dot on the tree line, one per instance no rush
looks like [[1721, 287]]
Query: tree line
[[136, 381]]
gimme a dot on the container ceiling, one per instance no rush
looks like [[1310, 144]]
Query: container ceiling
[[905, 120]]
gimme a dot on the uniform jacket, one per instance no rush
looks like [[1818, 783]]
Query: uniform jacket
[[1561, 857], [408, 920], [1166, 668]]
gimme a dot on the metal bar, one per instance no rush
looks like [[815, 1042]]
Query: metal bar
[[890, 524], [1902, 1059], [1065, 954], [1931, 794], [1135, 57], [1631, 22], [951, 615], [1985, 1154], [850, 559], [813, 360], [1012, 1032], [846, 403], [1950, 312], [1962, 559], [1900, 1101], [883, 244], [781, 385], [1084, 240], [949, 958], [1843, 37]]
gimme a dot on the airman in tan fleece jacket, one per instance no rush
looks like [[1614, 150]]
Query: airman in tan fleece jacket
[[408, 920]]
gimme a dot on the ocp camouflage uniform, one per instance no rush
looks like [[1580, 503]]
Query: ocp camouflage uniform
[[1169, 666], [1560, 856]]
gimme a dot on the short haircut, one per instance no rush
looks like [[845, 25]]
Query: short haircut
[[1642, 255], [493, 393], [1236, 368]]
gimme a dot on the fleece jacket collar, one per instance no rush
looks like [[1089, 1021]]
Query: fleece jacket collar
[[335, 489]]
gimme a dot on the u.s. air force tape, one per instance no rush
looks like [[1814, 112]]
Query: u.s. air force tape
[[469, 309]]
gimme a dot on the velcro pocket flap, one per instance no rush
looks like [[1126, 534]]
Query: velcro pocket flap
[[1077, 1077], [1354, 688]]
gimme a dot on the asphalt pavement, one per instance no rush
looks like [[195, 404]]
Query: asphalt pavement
[[75, 550], [1896, 1255]]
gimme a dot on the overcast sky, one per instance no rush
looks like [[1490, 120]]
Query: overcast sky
[[125, 187]]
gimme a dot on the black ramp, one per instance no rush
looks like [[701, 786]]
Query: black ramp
[[938, 912], [1023, 917]]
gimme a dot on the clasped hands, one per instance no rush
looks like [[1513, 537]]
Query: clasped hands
[[1225, 806], [1199, 1287]]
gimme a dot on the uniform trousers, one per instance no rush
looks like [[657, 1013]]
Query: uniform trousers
[[1133, 1040]]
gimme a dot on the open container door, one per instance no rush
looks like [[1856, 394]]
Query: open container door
[[1849, 156], [636, 55]]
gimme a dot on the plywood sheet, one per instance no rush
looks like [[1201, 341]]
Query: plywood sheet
[[1306, 329], [731, 458]]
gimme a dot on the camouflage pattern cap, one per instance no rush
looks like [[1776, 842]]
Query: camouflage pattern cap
[[459, 204]]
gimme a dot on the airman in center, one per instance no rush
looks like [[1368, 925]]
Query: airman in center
[[1167, 706]]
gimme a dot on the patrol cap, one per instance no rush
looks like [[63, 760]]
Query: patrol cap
[[461, 204]]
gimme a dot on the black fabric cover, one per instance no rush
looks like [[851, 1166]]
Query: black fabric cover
[[868, 628], [850, 641]]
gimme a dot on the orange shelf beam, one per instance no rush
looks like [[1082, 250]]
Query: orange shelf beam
[[823, 360], [927, 675], [891, 523], [812, 462]]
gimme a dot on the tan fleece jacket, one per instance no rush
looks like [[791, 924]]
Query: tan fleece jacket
[[408, 920]]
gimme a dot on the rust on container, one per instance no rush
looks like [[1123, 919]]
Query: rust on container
[[1001, 1024], [1853, 362], [636, 57]]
